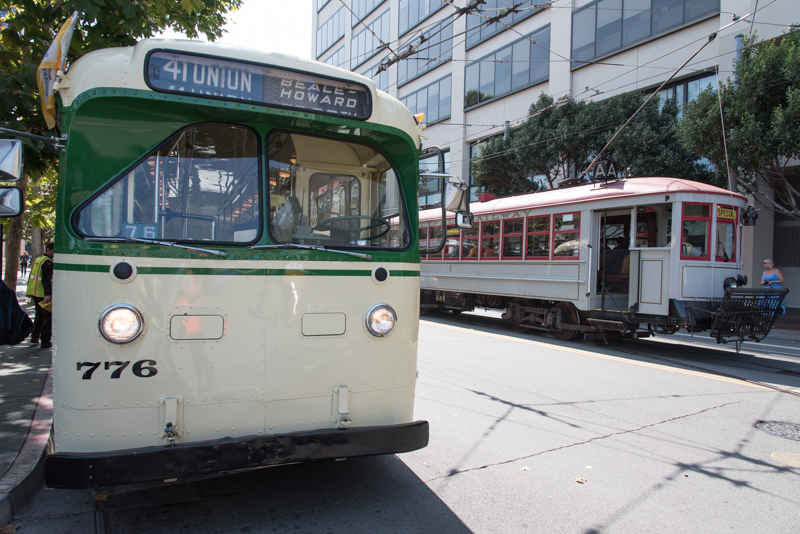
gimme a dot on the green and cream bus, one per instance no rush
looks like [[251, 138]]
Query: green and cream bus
[[236, 277]]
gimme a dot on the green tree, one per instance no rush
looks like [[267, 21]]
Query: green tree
[[27, 27], [761, 110], [560, 138]]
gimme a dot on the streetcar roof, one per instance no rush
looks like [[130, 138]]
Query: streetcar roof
[[594, 192], [124, 67]]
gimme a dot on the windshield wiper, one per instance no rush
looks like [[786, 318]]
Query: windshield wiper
[[154, 242], [312, 247]]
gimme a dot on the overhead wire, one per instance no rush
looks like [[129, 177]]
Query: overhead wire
[[420, 30]]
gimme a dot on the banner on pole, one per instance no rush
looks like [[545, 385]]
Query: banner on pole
[[54, 60]]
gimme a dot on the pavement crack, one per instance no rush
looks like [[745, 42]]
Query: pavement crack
[[578, 443]]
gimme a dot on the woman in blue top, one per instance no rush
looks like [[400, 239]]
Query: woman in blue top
[[773, 278]]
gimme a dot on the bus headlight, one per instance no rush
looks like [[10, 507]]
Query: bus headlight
[[381, 319], [121, 323]]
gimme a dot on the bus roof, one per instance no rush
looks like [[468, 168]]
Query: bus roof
[[124, 67], [598, 191]]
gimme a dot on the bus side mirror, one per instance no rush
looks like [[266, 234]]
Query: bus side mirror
[[456, 195], [10, 160], [10, 202], [465, 220]]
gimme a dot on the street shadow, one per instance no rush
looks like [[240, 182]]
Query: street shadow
[[749, 364], [371, 494]]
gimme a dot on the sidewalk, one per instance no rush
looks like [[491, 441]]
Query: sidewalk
[[26, 415]]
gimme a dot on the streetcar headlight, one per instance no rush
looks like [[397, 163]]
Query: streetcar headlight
[[121, 323], [730, 282], [381, 319]]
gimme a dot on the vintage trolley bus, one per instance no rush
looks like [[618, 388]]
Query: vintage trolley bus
[[236, 275], [631, 256]]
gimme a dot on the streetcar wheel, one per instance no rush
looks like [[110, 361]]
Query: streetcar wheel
[[568, 316], [519, 328]]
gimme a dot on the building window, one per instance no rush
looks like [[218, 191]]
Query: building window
[[321, 4], [727, 216], [696, 225], [365, 44], [362, 8], [436, 49], [336, 59], [516, 66], [685, 92], [381, 79], [475, 150], [477, 29], [430, 189], [330, 32], [566, 236], [607, 25], [433, 100], [412, 12]]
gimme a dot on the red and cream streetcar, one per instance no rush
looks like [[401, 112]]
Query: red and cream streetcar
[[632, 256]]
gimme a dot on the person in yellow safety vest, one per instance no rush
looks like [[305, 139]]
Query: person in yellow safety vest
[[40, 289]]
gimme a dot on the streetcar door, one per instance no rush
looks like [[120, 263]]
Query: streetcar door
[[652, 252]]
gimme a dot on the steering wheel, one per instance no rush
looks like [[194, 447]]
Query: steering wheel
[[354, 233]]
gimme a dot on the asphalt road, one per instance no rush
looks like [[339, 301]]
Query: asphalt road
[[528, 434]]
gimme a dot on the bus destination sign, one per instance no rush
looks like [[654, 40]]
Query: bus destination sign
[[174, 72]]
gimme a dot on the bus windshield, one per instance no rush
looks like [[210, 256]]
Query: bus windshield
[[325, 192], [201, 185]]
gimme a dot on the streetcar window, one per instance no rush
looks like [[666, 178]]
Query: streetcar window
[[512, 239], [423, 241], [451, 243], [327, 192], [696, 225], [434, 240], [651, 225], [201, 185], [490, 240], [469, 243], [538, 242], [566, 235], [726, 233]]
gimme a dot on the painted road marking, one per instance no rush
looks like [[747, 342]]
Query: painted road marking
[[788, 458]]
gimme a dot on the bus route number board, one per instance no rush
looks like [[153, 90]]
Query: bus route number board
[[141, 231]]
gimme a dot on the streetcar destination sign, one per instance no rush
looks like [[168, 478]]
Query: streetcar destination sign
[[725, 213], [214, 77]]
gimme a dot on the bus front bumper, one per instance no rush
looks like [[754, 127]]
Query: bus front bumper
[[89, 470]]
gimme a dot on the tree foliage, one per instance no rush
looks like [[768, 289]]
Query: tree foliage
[[761, 110], [27, 27], [560, 138]]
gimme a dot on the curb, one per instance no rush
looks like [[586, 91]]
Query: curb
[[26, 474]]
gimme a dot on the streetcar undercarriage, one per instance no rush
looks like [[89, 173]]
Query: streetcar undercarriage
[[742, 315]]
